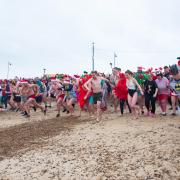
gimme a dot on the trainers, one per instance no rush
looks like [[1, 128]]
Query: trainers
[[163, 114], [45, 110], [34, 109], [22, 112], [58, 115], [27, 116], [64, 110]]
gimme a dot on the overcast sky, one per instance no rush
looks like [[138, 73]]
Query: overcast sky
[[58, 35]]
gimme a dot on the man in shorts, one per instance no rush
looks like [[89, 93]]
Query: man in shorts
[[96, 85]]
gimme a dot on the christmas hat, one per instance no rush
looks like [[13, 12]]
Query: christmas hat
[[23, 81], [179, 63], [77, 76], [66, 81], [53, 79]]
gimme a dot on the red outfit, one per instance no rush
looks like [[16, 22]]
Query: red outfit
[[121, 90], [82, 91]]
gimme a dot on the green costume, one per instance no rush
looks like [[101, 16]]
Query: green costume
[[141, 77]]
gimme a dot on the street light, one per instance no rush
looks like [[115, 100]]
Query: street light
[[44, 71], [115, 56], [93, 56], [9, 64], [110, 64]]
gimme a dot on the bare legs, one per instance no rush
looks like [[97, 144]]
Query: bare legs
[[32, 101], [59, 104], [132, 103], [174, 100], [140, 101], [99, 111], [70, 105]]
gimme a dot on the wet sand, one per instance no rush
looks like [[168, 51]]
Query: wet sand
[[79, 148]]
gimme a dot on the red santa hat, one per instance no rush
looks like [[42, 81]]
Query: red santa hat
[[159, 69], [179, 63], [140, 68], [44, 81], [53, 79], [23, 81], [77, 76], [149, 71], [66, 81]]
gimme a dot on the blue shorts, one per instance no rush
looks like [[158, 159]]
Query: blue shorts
[[91, 101]]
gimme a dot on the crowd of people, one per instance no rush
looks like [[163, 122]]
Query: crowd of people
[[138, 92]]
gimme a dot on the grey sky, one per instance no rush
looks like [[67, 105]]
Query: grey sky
[[57, 34]]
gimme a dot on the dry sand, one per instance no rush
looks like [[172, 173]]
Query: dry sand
[[78, 148]]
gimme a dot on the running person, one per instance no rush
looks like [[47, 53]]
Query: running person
[[175, 83], [96, 84], [132, 86], [150, 93], [163, 92], [31, 100]]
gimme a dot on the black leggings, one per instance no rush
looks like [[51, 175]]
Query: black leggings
[[150, 100], [170, 101], [122, 102]]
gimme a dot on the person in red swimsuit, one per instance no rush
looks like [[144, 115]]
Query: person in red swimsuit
[[31, 100]]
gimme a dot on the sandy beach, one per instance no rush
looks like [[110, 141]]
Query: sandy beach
[[79, 148]]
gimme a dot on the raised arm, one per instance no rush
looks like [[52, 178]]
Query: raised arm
[[86, 84], [104, 79]]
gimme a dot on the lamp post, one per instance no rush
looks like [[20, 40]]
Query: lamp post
[[93, 56], [44, 70], [115, 56], [9, 64], [110, 64]]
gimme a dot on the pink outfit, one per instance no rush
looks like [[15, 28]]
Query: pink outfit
[[163, 86]]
